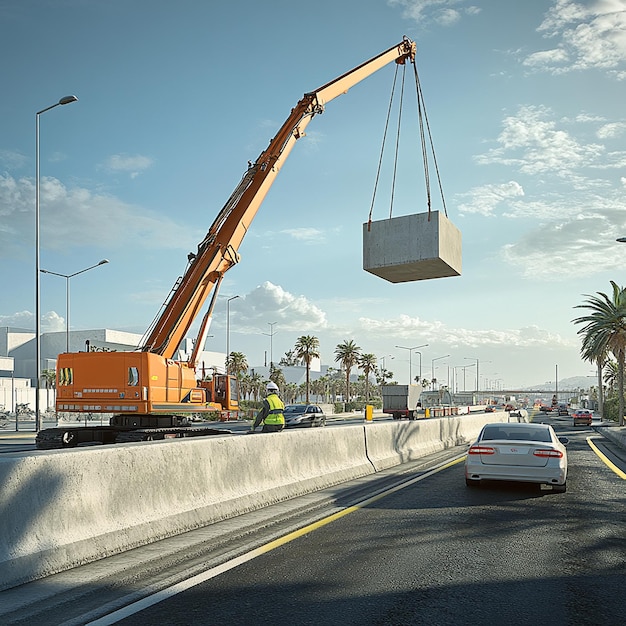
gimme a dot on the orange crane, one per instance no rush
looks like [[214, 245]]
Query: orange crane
[[149, 393]]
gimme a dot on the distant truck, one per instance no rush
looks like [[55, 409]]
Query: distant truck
[[402, 401]]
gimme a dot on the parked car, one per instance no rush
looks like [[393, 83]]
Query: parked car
[[301, 415], [518, 452], [582, 417]]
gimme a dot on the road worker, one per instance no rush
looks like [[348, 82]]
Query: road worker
[[271, 413]]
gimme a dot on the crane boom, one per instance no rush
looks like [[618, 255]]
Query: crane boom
[[218, 252], [149, 393]]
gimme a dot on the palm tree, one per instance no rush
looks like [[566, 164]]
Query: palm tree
[[611, 374], [256, 382], [317, 388], [277, 376], [237, 364], [50, 377], [367, 362], [604, 330], [347, 354], [307, 348], [289, 360]]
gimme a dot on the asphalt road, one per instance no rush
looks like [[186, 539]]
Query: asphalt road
[[431, 551], [436, 552]]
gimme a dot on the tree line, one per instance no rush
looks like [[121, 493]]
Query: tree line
[[335, 382]]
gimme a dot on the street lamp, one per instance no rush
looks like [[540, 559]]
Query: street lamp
[[67, 296], [382, 358], [463, 367], [418, 352], [471, 358], [62, 101], [432, 377], [271, 335], [410, 353], [228, 333]]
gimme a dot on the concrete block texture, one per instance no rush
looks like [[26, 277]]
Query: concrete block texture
[[412, 247]]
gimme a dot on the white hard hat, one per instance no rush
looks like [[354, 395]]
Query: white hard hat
[[271, 386]]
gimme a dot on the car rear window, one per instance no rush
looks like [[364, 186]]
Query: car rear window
[[516, 434]]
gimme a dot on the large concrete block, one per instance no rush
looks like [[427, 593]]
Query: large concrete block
[[412, 247]]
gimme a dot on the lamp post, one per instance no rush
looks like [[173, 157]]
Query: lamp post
[[410, 354], [383, 372], [67, 296], [464, 367], [271, 335], [382, 358], [418, 352], [228, 333], [62, 101], [432, 372], [471, 358]]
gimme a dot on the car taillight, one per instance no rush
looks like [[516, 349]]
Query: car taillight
[[478, 449], [548, 453]]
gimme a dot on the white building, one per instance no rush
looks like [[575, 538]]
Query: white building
[[18, 369]]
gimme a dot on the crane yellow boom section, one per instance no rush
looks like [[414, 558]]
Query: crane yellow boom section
[[218, 252], [149, 389]]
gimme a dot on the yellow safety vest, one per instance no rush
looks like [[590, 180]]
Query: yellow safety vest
[[275, 415]]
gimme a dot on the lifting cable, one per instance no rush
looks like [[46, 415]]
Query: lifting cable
[[424, 129], [382, 148], [422, 106], [395, 158]]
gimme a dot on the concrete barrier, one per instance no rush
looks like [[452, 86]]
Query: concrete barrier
[[401, 442], [617, 434], [63, 508]]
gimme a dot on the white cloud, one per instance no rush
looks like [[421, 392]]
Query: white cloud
[[591, 35], [443, 12], [134, 165], [78, 215], [532, 142], [51, 322], [608, 131], [304, 234], [12, 160], [581, 245], [271, 303], [406, 327], [485, 199]]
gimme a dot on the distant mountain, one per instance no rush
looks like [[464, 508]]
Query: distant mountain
[[572, 383]]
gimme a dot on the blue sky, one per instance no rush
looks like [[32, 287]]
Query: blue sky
[[524, 101]]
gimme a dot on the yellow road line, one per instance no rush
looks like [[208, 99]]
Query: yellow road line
[[164, 594], [603, 458]]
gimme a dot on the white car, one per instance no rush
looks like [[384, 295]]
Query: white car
[[518, 452], [303, 415]]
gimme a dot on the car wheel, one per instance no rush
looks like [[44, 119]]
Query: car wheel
[[559, 488], [323, 422], [472, 483]]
